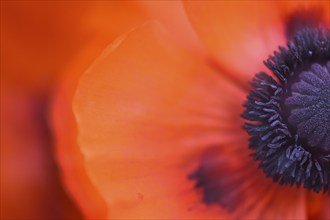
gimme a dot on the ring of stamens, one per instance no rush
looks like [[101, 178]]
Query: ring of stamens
[[288, 116]]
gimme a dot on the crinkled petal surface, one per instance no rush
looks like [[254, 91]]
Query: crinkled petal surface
[[43, 36], [144, 110], [230, 178], [288, 7], [172, 15], [149, 115], [241, 34], [64, 128], [238, 34]]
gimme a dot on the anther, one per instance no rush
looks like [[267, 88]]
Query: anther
[[288, 118]]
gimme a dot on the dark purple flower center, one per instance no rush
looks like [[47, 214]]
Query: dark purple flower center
[[289, 115], [309, 107], [288, 119]]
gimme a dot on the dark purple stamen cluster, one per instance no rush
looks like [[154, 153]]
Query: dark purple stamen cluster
[[310, 107], [289, 115]]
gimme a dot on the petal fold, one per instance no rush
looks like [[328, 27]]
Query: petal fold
[[64, 128], [144, 110], [238, 34]]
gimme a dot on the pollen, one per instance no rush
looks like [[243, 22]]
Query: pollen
[[309, 106], [288, 113]]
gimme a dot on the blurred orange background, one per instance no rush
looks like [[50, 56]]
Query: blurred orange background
[[39, 39]]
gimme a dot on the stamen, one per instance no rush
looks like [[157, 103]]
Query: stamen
[[289, 117]]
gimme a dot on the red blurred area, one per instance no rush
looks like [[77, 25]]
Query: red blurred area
[[39, 40], [30, 184]]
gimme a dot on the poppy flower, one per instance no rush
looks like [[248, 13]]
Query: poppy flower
[[155, 130]]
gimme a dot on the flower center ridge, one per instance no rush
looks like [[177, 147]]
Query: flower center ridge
[[288, 116]]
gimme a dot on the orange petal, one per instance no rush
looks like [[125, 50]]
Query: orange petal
[[113, 18], [64, 127], [288, 7], [39, 38], [43, 36], [302, 14], [238, 34], [144, 110], [241, 34], [228, 176], [172, 16]]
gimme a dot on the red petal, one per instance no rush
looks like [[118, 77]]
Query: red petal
[[64, 127], [238, 34], [144, 110]]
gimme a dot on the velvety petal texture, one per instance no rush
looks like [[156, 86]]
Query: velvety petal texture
[[318, 206], [161, 136], [172, 15], [44, 36], [323, 7], [64, 129], [153, 127], [239, 35], [144, 110], [229, 177]]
